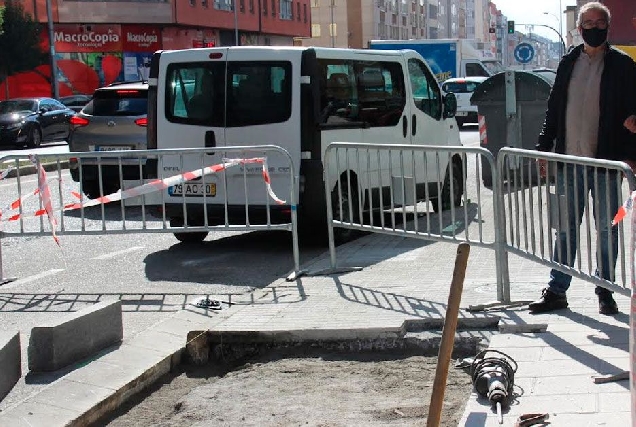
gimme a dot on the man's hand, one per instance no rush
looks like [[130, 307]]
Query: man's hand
[[630, 123], [543, 164]]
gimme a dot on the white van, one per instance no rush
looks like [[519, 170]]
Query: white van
[[298, 98]]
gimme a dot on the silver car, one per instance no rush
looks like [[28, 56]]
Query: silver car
[[115, 119]]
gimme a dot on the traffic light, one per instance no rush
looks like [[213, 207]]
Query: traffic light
[[511, 27]]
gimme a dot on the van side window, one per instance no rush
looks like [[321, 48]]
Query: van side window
[[258, 93], [195, 93], [426, 92], [361, 92]]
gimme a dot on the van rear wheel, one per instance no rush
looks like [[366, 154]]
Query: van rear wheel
[[194, 237]]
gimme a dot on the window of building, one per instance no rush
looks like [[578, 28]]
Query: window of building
[[432, 11], [298, 11], [204, 3], [361, 91], [315, 30], [286, 9], [273, 7], [265, 8], [251, 6], [315, 3], [192, 2], [242, 6], [223, 5], [305, 12]]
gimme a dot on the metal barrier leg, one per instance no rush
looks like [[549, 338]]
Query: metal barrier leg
[[501, 255], [297, 271], [4, 280]]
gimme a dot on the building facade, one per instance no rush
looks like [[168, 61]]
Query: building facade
[[353, 23], [99, 42]]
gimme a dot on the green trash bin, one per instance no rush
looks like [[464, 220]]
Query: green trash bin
[[511, 106]]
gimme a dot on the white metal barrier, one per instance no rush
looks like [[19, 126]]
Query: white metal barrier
[[244, 188], [533, 208], [393, 189]]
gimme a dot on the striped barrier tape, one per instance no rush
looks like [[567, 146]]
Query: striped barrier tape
[[158, 185], [628, 205], [6, 172], [18, 203], [147, 188]]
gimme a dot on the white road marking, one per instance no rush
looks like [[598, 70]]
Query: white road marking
[[30, 279], [13, 184], [117, 253]]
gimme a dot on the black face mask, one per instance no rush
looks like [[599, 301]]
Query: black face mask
[[594, 36]]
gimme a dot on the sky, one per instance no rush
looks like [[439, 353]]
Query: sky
[[531, 12]]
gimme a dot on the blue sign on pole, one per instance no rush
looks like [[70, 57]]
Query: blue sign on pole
[[524, 52]]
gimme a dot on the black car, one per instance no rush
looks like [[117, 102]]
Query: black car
[[31, 121], [76, 102]]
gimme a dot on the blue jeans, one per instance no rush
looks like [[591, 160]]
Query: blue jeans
[[605, 202]]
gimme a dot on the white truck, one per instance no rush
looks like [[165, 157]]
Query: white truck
[[447, 58]]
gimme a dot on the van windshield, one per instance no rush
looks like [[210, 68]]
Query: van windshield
[[254, 93]]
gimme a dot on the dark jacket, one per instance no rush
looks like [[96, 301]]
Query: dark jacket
[[617, 102]]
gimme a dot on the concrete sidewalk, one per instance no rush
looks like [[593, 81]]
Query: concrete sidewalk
[[402, 280]]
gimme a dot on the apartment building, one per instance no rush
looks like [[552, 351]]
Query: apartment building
[[342, 23], [98, 42]]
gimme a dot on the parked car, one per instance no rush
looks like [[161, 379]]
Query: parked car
[[115, 119], [463, 88], [31, 121], [76, 102]]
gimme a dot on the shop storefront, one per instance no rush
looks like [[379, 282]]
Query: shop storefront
[[93, 55], [89, 56]]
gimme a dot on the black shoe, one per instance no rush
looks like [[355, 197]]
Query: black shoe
[[549, 301], [607, 305]]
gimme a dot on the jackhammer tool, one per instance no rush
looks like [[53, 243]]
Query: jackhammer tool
[[493, 374]]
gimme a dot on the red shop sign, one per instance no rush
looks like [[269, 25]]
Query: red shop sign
[[87, 38], [140, 38]]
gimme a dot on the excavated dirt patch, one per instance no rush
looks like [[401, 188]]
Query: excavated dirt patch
[[300, 387]]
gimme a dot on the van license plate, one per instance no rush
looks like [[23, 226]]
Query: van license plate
[[113, 148], [192, 189]]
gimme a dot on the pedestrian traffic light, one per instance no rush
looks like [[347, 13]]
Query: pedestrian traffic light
[[511, 27]]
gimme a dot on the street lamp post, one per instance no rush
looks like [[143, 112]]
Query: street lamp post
[[562, 45], [49, 18], [236, 37]]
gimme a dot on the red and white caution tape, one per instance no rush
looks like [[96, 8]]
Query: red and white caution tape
[[625, 209], [45, 195], [16, 204], [158, 185], [5, 172], [150, 187]]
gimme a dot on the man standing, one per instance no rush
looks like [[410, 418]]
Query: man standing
[[590, 105]]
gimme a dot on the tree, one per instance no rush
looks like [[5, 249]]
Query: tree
[[20, 48]]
